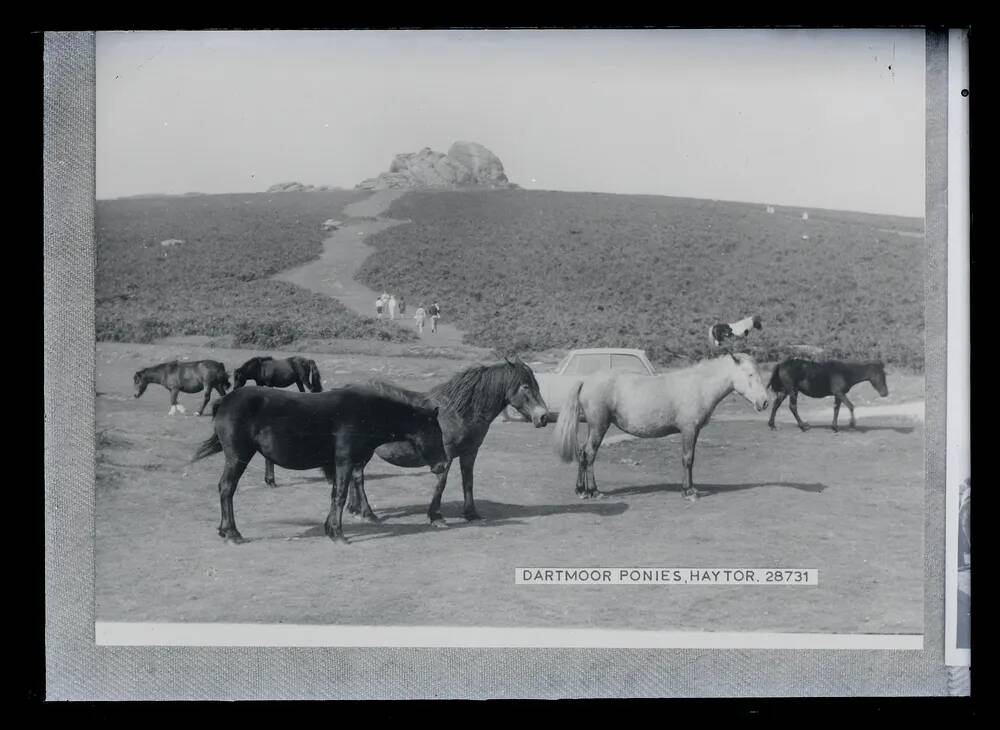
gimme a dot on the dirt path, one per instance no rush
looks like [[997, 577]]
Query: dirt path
[[333, 272]]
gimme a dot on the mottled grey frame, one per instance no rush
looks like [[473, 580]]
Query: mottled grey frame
[[76, 669]]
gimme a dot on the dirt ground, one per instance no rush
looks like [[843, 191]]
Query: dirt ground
[[849, 504]]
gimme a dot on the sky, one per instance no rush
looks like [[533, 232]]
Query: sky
[[808, 118]]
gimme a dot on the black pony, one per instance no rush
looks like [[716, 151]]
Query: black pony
[[184, 377], [820, 379], [271, 373], [267, 371], [469, 402], [336, 431]]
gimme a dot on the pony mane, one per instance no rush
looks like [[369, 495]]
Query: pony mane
[[409, 397], [479, 388]]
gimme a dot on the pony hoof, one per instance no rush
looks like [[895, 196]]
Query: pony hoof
[[272, 485], [772, 427], [805, 427], [371, 518], [582, 495], [234, 538], [472, 516], [598, 495], [692, 496], [439, 523]]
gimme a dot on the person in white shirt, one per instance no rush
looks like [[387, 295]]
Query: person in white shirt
[[378, 307], [392, 306], [421, 316]]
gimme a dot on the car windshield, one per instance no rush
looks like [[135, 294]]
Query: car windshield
[[586, 364], [628, 364]]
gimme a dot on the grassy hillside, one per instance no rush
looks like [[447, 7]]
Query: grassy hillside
[[217, 282], [535, 269]]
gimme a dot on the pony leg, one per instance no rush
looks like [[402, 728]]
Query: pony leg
[[341, 478], [269, 473], [689, 440], [357, 493], [434, 510], [231, 474], [204, 404], [793, 405], [778, 400], [850, 407], [299, 383], [589, 456], [174, 407], [466, 462], [836, 410]]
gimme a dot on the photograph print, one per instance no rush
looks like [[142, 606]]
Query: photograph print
[[511, 338]]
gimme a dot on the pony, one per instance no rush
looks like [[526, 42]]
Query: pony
[[336, 431], [652, 406], [820, 379], [468, 403], [719, 333], [273, 373], [184, 377]]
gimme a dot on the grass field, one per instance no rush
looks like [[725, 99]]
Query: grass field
[[533, 270], [218, 281]]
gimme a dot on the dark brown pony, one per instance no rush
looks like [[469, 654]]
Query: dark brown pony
[[184, 377], [820, 379], [469, 402], [267, 371], [336, 431]]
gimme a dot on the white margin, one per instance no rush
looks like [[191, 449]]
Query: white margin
[[108, 633], [959, 461]]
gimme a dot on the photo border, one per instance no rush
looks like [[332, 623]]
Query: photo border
[[76, 668]]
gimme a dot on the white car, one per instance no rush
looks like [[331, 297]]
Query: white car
[[577, 365]]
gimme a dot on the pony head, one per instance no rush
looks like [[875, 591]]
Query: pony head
[[878, 379], [140, 382], [428, 441], [224, 382], [747, 381], [523, 393]]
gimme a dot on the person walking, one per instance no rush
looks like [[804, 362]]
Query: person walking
[[421, 316], [435, 316], [378, 308], [402, 306], [392, 306]]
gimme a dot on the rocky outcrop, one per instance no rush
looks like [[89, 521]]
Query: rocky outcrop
[[467, 164], [296, 187]]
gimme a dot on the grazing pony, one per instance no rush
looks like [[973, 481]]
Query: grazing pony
[[267, 371], [184, 377], [336, 431], [469, 402], [271, 373], [651, 406], [820, 379], [719, 333]]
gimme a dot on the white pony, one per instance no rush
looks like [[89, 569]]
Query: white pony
[[652, 406]]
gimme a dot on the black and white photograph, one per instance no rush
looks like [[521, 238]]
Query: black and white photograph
[[420, 312], [492, 339]]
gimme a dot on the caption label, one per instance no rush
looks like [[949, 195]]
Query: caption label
[[668, 576]]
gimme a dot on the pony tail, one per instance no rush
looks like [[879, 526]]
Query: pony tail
[[565, 438], [208, 447], [775, 383], [314, 379]]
